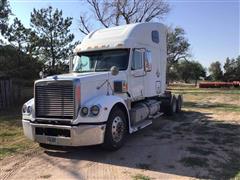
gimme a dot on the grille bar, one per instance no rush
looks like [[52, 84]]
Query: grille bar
[[54, 99]]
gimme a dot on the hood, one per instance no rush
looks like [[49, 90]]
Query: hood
[[81, 76]]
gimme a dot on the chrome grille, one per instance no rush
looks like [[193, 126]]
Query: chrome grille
[[54, 99]]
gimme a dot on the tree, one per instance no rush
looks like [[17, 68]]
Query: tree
[[190, 70], [237, 68], [116, 12], [215, 70], [177, 49], [17, 34], [229, 69], [23, 39], [53, 35], [198, 71], [5, 11], [26, 69], [232, 69], [177, 45]]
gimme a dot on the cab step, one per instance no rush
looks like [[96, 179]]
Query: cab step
[[141, 125], [157, 115]]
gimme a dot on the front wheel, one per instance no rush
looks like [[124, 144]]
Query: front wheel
[[116, 130]]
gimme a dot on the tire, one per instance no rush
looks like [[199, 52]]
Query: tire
[[179, 104], [171, 108], [116, 130]]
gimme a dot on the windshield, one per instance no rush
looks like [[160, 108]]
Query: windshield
[[101, 60]]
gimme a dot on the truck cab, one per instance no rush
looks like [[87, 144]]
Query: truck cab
[[116, 86]]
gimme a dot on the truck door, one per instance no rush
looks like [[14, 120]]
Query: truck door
[[137, 74]]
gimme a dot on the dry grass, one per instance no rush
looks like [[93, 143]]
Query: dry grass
[[12, 139], [216, 134], [208, 132]]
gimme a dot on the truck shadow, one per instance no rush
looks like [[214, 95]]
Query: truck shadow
[[190, 144]]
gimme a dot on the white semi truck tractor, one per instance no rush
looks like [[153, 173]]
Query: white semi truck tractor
[[116, 86]]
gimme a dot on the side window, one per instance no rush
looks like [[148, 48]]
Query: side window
[[148, 61], [137, 61], [155, 36]]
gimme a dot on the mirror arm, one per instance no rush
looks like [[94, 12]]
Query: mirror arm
[[71, 64]]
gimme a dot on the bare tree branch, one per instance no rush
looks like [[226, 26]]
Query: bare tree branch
[[100, 13], [117, 12], [83, 26]]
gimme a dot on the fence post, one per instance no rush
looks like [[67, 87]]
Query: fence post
[[5, 93]]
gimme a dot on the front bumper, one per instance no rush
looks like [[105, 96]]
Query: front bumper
[[82, 135]]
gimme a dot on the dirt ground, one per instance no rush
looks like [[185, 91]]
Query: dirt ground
[[201, 142]]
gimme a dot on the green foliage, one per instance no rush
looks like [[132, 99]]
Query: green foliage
[[17, 60], [177, 46], [186, 71], [11, 134], [177, 49], [5, 11], [17, 64], [54, 36], [23, 38], [215, 70], [17, 34], [141, 177], [232, 69]]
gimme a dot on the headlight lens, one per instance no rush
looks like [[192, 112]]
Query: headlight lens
[[84, 111], [29, 109], [24, 108], [95, 110]]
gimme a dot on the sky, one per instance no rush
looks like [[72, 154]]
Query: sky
[[212, 26]]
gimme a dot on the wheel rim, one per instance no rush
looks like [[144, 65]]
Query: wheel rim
[[117, 129]]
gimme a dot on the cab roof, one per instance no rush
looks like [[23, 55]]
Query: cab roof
[[125, 36]]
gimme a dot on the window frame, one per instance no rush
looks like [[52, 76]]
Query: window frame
[[141, 51], [148, 60], [155, 36]]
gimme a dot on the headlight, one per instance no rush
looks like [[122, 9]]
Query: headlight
[[95, 110], [29, 109], [24, 108], [84, 111]]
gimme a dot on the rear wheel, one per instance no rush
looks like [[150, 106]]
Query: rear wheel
[[179, 104], [171, 106], [116, 130]]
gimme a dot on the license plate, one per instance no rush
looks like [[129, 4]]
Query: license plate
[[52, 140]]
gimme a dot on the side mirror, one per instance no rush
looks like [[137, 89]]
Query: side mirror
[[114, 70], [41, 74]]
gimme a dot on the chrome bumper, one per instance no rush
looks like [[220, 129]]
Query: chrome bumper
[[82, 135]]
